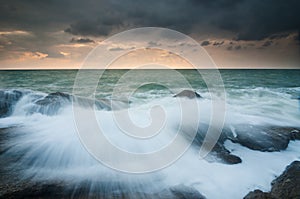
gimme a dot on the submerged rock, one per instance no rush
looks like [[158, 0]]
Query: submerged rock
[[51, 104], [53, 98], [258, 194], [189, 94], [184, 192], [286, 186]]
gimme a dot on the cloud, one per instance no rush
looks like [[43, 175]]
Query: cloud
[[82, 40], [246, 20], [90, 28], [205, 43], [229, 48], [49, 26], [153, 44], [15, 32], [217, 43], [279, 36], [33, 55], [116, 49], [239, 47], [64, 53], [267, 43]]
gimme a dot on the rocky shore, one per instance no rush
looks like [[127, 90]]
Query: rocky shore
[[258, 138], [286, 186]]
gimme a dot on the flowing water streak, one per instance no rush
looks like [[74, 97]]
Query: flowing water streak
[[45, 140]]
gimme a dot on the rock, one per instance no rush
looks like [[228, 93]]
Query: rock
[[223, 155], [219, 153], [287, 185], [51, 104], [51, 98], [59, 190], [8, 98], [295, 134], [261, 138], [184, 192], [37, 191], [189, 94], [258, 194]]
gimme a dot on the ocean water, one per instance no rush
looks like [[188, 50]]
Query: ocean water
[[48, 148]]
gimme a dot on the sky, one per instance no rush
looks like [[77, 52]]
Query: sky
[[59, 34]]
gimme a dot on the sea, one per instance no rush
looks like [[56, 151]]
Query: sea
[[40, 140]]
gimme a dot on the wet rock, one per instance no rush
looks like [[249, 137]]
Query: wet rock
[[219, 153], [8, 98], [295, 134], [184, 192], [261, 138], [59, 190], [51, 104], [223, 155], [287, 185], [36, 191], [266, 139], [52, 98], [258, 194], [189, 94]]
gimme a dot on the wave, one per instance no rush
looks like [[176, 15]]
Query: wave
[[39, 138], [27, 102]]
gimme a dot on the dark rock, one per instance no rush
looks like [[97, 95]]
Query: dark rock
[[36, 191], [59, 190], [52, 98], [184, 192], [258, 194], [189, 94], [224, 155], [287, 185], [8, 98], [219, 153], [295, 134], [52, 103], [262, 138]]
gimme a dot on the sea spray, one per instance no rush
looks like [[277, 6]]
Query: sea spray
[[47, 148]]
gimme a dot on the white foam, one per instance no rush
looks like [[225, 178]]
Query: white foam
[[52, 149]]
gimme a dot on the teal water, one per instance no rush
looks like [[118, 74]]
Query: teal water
[[285, 81]]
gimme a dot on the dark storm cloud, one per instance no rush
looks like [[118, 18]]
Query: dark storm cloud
[[82, 40], [247, 20], [279, 36]]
